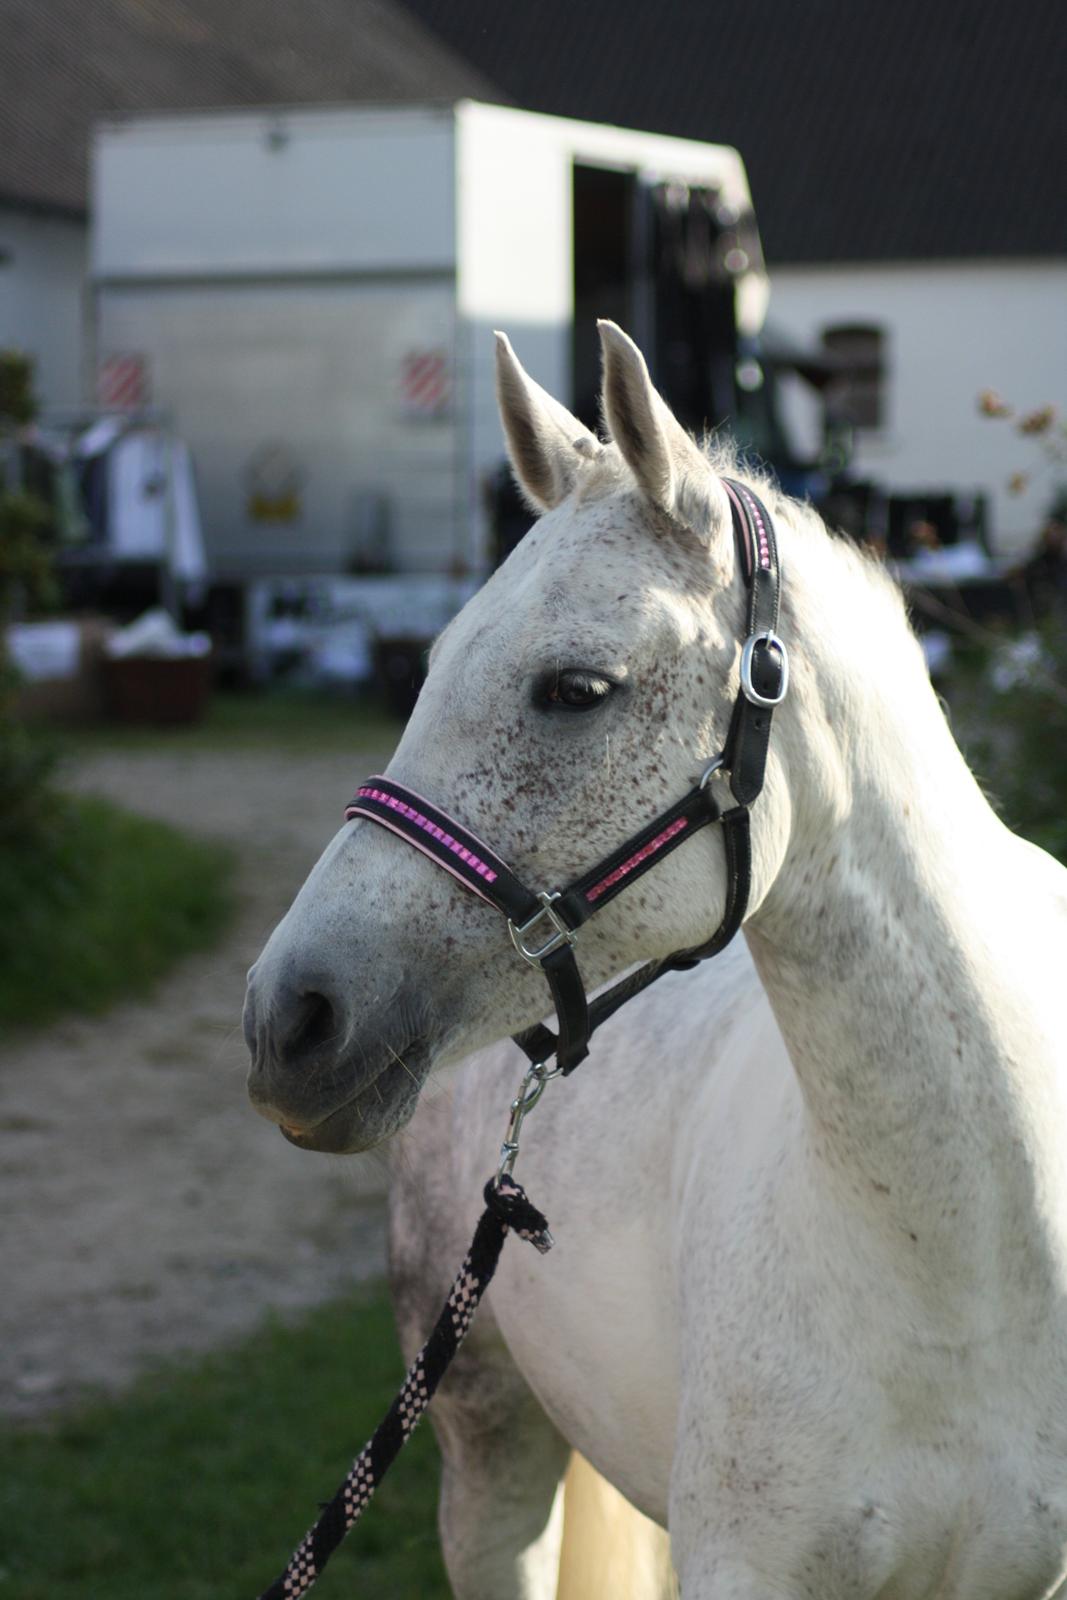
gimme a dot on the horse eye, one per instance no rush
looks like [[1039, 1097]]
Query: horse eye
[[576, 690]]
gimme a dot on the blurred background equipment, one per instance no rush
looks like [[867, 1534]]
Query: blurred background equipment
[[124, 498], [263, 335], [332, 365], [321, 356], [303, 285]]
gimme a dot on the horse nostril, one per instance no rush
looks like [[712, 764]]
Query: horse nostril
[[293, 1026], [312, 1024]]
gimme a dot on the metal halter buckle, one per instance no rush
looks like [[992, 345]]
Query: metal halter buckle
[[710, 770], [748, 689], [560, 935]]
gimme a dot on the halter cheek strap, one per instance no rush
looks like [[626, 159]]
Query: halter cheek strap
[[544, 924], [536, 928]]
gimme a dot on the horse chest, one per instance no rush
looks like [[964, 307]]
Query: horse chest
[[852, 1449], [946, 1479], [904, 1529], [602, 1361]]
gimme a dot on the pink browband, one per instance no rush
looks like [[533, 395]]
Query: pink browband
[[432, 830], [481, 867]]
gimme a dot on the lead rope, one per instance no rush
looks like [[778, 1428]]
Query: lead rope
[[506, 1210]]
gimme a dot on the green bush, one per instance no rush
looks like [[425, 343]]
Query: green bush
[[1010, 708], [27, 808], [18, 404], [98, 903], [29, 813]]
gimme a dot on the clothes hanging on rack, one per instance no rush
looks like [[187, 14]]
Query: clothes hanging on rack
[[123, 488], [153, 510]]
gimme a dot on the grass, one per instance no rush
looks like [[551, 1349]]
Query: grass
[[100, 906], [200, 1481], [278, 718]]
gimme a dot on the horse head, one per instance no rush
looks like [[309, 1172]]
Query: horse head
[[578, 694]]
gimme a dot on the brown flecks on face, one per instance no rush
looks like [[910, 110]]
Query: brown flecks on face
[[608, 584]]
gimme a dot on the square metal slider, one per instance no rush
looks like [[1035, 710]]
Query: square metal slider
[[560, 935]]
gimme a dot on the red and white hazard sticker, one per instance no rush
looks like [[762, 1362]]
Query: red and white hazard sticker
[[425, 384]]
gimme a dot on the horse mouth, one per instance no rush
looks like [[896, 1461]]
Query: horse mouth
[[372, 1112]]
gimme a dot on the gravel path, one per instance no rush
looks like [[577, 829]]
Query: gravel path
[[147, 1209]]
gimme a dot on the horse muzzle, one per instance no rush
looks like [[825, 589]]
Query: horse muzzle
[[331, 1082]]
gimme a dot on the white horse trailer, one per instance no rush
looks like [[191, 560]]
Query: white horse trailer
[[311, 294]]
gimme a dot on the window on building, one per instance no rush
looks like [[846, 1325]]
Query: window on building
[[856, 391]]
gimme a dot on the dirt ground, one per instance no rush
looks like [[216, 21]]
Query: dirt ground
[[146, 1209]]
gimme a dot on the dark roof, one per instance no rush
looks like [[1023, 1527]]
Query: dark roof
[[64, 63], [872, 130]]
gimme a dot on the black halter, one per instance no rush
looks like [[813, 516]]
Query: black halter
[[544, 924]]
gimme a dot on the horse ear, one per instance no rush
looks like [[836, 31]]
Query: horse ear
[[545, 443], [663, 458]]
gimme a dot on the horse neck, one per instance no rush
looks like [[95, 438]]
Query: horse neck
[[896, 978]]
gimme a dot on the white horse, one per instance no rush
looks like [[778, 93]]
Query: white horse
[[808, 1302]]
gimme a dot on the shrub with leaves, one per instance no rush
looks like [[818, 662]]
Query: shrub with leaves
[[1010, 711], [1043, 425], [28, 809], [25, 552], [17, 403]]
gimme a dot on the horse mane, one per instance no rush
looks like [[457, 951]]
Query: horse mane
[[606, 473]]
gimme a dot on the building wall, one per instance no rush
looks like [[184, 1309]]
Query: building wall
[[43, 263], [951, 331]]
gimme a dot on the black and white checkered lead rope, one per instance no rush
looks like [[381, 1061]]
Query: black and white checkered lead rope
[[506, 1208]]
